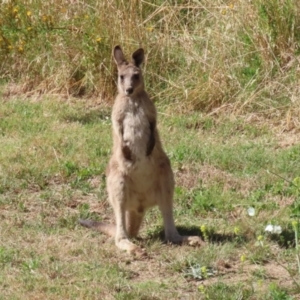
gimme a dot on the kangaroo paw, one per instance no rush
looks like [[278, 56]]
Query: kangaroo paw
[[193, 240], [131, 248], [189, 240]]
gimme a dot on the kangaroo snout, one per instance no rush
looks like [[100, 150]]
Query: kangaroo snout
[[129, 91]]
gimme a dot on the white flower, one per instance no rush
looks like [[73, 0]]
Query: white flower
[[269, 228], [276, 229], [251, 211]]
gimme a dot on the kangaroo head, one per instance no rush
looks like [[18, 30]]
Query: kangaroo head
[[130, 79]]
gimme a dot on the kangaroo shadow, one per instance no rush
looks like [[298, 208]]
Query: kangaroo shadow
[[285, 240], [212, 237]]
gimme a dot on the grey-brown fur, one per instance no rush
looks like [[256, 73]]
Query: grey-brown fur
[[139, 174]]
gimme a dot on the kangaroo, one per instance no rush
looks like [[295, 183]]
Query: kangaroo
[[139, 173]]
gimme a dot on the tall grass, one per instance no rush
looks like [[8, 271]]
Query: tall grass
[[200, 54]]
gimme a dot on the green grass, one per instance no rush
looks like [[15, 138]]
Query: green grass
[[53, 158]]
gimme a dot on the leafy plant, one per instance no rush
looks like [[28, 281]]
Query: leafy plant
[[199, 272]]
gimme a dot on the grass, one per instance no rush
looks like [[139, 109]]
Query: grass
[[200, 56], [225, 79], [53, 158]]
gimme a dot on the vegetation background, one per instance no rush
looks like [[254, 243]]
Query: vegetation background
[[225, 78], [200, 54]]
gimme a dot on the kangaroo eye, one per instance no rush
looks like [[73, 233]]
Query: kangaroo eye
[[136, 76], [122, 77]]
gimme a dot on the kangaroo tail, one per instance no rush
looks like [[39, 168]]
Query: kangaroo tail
[[108, 229]]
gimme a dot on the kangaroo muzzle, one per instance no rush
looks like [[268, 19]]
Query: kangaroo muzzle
[[129, 91]]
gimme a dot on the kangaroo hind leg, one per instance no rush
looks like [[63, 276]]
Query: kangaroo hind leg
[[118, 197], [165, 202], [133, 222]]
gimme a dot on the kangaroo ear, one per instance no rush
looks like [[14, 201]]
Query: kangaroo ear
[[118, 55], [138, 57]]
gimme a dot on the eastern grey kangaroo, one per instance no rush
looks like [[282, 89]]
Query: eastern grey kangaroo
[[139, 173]]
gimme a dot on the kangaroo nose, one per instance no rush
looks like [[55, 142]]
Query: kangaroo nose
[[129, 91]]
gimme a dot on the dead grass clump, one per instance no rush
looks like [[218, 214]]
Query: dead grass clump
[[201, 55]]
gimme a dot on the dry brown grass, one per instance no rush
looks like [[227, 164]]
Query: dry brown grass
[[200, 56]]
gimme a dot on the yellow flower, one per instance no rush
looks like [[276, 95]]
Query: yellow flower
[[260, 283], [86, 16], [204, 271], [15, 10], [201, 288], [260, 238], [243, 257], [203, 228], [223, 11], [150, 28], [29, 13], [98, 40], [296, 181], [205, 232], [29, 28], [231, 5], [294, 224], [20, 49], [236, 230]]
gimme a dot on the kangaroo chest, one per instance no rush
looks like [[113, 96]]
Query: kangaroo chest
[[136, 127]]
